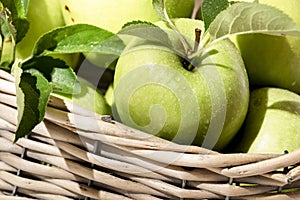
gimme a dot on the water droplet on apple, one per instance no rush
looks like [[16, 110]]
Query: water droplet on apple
[[177, 79]]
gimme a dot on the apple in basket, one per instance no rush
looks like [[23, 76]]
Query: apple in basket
[[43, 16], [272, 60], [89, 98], [109, 95], [112, 15], [272, 124], [157, 92]]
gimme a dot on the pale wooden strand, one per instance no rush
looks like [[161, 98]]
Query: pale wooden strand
[[7, 146], [55, 132], [4, 186], [6, 76], [263, 167], [233, 191], [135, 196], [168, 170], [43, 196], [39, 186], [84, 190], [5, 167], [143, 197], [47, 196], [201, 160], [37, 168], [4, 125], [93, 174], [35, 146], [7, 87], [282, 196], [33, 193], [8, 114], [176, 191], [5, 197], [53, 172], [268, 179], [109, 163], [278, 180], [294, 175], [8, 99]]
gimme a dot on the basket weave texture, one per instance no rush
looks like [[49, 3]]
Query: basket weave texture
[[76, 154]]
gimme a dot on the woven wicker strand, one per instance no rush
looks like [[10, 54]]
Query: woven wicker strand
[[77, 154]]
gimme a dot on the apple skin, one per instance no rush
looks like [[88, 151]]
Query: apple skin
[[88, 98], [180, 8], [273, 60], [205, 107], [112, 15], [43, 16], [272, 124], [109, 95], [109, 15]]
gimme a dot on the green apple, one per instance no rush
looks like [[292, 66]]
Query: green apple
[[155, 93], [109, 95], [43, 16], [89, 98], [179, 8], [272, 124], [273, 60], [112, 15]]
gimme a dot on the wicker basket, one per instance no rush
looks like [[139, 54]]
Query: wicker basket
[[79, 155]]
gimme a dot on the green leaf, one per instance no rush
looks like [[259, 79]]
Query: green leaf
[[147, 31], [210, 9], [8, 31], [33, 92], [238, 1], [138, 23], [62, 77], [244, 18], [79, 38], [159, 7], [25, 5], [18, 17]]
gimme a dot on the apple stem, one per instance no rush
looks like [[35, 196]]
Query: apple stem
[[197, 39], [186, 63]]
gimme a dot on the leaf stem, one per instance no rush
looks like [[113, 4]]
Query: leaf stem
[[174, 28]]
